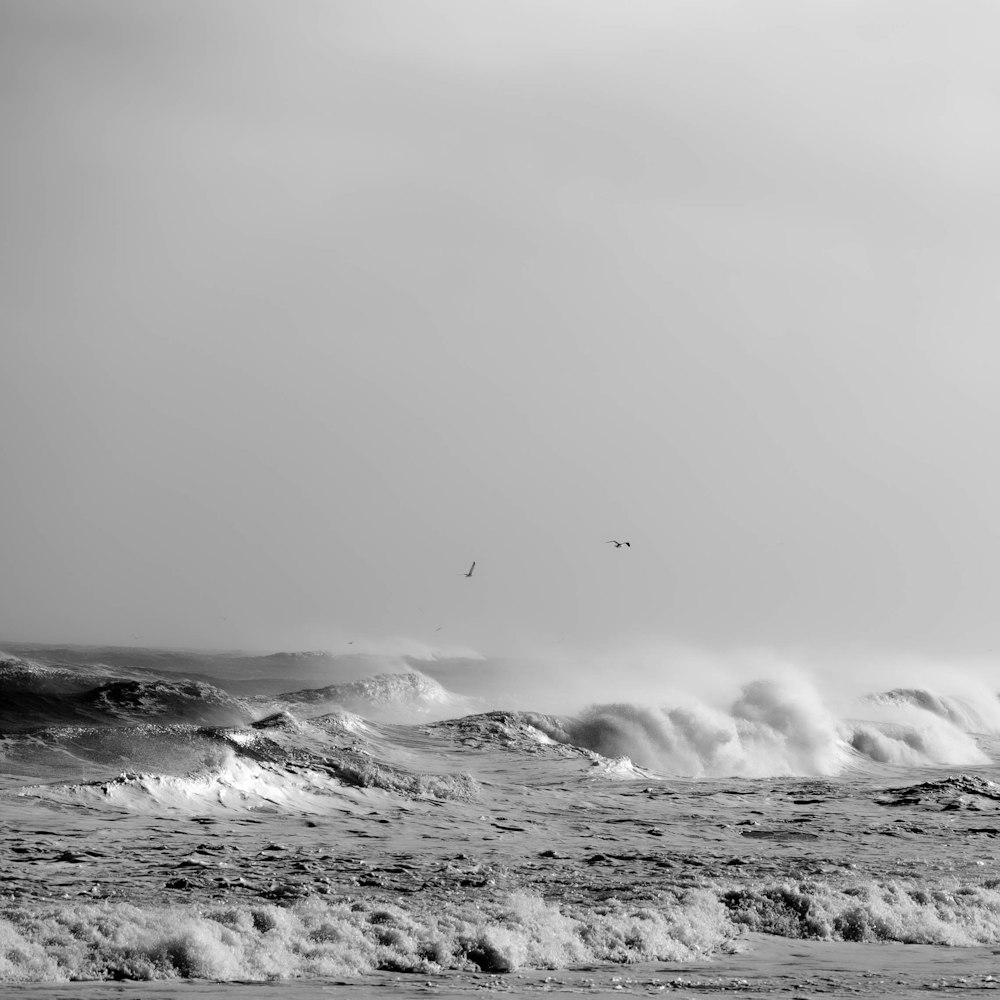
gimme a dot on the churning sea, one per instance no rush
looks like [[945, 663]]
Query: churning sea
[[319, 818]]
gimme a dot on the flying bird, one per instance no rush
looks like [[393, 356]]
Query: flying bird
[[471, 568], [617, 544]]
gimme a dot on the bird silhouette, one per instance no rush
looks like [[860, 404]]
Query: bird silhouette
[[471, 568], [617, 544]]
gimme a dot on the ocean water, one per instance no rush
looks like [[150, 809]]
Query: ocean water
[[170, 815]]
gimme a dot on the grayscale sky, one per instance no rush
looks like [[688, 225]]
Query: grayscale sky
[[306, 305]]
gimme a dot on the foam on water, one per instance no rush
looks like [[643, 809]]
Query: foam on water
[[872, 911], [317, 938], [314, 938]]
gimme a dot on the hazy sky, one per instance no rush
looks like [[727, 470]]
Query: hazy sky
[[306, 305]]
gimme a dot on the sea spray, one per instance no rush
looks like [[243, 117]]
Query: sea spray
[[771, 729], [774, 728]]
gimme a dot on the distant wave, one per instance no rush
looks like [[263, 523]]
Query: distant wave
[[771, 729], [18, 674], [956, 792], [524, 732], [181, 701], [913, 745], [277, 764], [244, 785], [240, 785], [958, 712], [37, 695], [399, 695]]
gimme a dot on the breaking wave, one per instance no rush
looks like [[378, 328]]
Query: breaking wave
[[769, 730], [871, 911], [315, 938], [954, 710], [258, 774], [772, 729], [102, 719]]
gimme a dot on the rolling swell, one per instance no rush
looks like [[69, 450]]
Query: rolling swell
[[37, 695], [193, 702]]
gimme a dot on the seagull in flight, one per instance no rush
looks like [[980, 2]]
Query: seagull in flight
[[617, 544], [471, 568]]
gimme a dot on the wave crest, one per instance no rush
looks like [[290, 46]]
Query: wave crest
[[388, 695]]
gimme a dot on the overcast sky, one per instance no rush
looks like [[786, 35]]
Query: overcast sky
[[306, 305]]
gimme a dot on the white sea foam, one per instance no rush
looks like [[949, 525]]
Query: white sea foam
[[871, 911], [314, 938]]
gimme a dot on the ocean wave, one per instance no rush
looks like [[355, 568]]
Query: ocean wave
[[871, 911], [956, 792], [523, 732], [935, 742], [15, 670], [36, 695], [193, 702], [398, 695], [237, 786], [956, 711], [259, 776], [320, 938], [316, 938], [771, 729]]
